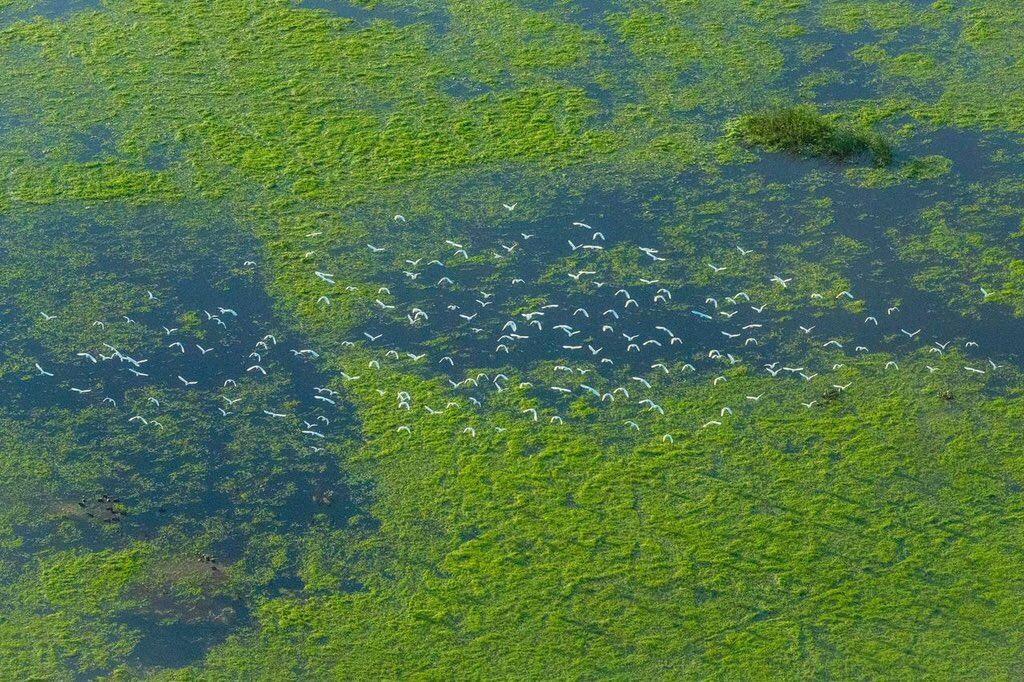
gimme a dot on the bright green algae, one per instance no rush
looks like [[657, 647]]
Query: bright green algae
[[874, 535]]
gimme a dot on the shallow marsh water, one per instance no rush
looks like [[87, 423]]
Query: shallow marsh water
[[700, 484]]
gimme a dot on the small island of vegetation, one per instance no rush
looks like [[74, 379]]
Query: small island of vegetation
[[803, 130]]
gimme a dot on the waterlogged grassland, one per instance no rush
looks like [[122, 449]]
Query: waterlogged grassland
[[300, 131], [737, 530], [153, 145]]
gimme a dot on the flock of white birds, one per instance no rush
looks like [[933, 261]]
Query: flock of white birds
[[592, 338]]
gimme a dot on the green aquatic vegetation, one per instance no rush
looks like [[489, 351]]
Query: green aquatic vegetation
[[962, 248], [93, 181], [789, 542], [56, 619], [390, 120], [949, 64], [175, 474], [915, 170], [505, 38], [63, 616], [89, 583], [358, 150], [880, 15], [803, 130], [720, 525], [707, 56], [195, 236]]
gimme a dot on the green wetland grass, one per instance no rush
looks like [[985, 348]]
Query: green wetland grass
[[875, 534], [802, 130]]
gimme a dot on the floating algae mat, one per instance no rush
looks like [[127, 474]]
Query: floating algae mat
[[511, 339]]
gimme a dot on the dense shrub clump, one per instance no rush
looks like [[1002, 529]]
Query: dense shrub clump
[[802, 130]]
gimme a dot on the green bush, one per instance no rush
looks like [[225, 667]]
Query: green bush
[[802, 130]]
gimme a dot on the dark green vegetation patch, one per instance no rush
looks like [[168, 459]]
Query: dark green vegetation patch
[[802, 130]]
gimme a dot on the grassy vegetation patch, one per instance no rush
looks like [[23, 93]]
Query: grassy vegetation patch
[[803, 130]]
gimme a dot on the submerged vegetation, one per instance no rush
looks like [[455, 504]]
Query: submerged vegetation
[[803, 130]]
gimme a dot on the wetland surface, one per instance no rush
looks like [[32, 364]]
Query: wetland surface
[[673, 339]]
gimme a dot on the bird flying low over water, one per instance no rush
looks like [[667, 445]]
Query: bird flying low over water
[[504, 339]]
